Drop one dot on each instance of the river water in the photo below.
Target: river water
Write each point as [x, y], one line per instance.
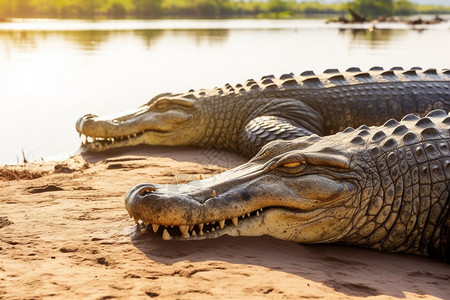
[53, 72]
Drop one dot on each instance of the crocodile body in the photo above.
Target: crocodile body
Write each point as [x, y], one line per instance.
[384, 187]
[244, 117]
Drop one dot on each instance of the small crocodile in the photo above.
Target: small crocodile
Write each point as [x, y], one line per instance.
[244, 117]
[384, 187]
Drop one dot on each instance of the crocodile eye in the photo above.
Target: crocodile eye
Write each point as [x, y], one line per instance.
[292, 167]
[292, 164]
[166, 103]
[161, 105]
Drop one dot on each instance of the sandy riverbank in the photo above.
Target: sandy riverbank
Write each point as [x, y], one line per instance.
[64, 233]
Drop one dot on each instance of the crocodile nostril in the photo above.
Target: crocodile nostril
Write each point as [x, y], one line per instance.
[89, 116]
[146, 190]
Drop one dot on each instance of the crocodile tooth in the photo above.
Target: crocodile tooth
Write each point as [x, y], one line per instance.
[243, 216]
[207, 223]
[166, 235]
[214, 193]
[193, 233]
[155, 227]
[201, 232]
[79, 134]
[257, 213]
[217, 228]
[200, 226]
[200, 176]
[222, 224]
[186, 235]
[248, 215]
[191, 227]
[235, 221]
[183, 229]
[213, 222]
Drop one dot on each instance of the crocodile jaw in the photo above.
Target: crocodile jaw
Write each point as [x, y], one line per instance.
[275, 222]
[140, 127]
[90, 144]
[196, 211]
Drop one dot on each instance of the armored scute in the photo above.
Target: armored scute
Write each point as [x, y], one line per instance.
[314, 178]
[244, 117]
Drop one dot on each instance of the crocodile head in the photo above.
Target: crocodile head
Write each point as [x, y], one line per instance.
[293, 190]
[167, 119]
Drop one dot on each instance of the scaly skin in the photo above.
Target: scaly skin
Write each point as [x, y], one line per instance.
[244, 117]
[385, 188]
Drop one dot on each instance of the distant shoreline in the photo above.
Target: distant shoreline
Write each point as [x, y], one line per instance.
[104, 24]
[329, 16]
[195, 9]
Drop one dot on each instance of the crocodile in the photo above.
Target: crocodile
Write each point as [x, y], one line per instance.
[381, 187]
[244, 117]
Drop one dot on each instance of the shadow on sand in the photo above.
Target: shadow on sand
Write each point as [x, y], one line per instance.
[348, 270]
[206, 156]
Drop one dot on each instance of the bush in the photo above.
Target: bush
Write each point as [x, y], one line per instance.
[278, 6]
[149, 8]
[117, 10]
[403, 7]
[207, 8]
[373, 8]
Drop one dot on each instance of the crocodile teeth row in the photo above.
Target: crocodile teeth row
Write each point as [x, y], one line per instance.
[188, 230]
[89, 139]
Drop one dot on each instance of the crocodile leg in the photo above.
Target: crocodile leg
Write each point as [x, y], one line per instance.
[264, 129]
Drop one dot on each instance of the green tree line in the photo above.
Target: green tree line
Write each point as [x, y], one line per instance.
[386, 8]
[204, 8]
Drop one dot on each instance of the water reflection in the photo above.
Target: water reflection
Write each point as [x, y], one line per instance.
[212, 36]
[49, 78]
[374, 36]
[91, 40]
[30, 40]
[19, 39]
[149, 36]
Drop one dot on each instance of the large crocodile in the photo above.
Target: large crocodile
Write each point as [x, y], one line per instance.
[383, 187]
[244, 117]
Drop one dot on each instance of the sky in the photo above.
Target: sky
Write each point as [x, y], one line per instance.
[438, 2]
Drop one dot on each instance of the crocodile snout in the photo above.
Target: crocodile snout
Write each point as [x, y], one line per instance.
[81, 120]
[147, 190]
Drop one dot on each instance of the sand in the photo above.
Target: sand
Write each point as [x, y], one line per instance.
[64, 234]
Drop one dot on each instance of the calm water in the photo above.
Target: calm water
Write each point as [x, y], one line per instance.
[52, 72]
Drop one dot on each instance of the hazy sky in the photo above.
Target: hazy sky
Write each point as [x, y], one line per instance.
[440, 2]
